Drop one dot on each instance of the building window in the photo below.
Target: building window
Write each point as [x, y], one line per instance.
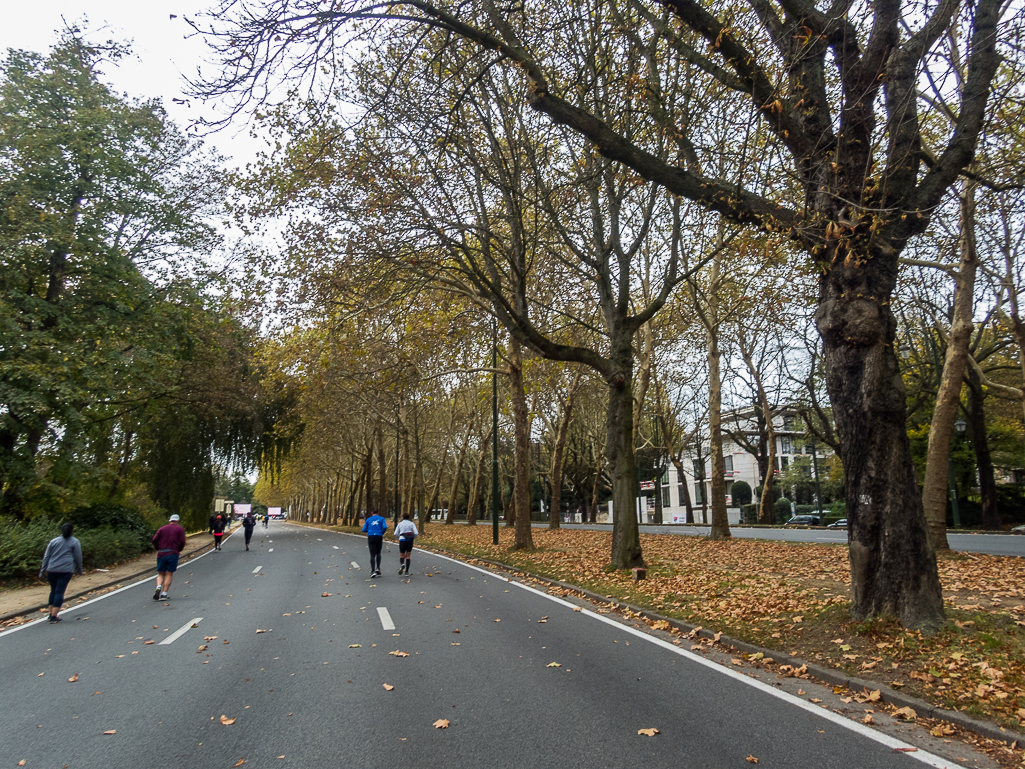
[785, 445]
[728, 462]
[699, 496]
[679, 493]
[666, 502]
[699, 470]
[786, 462]
[807, 450]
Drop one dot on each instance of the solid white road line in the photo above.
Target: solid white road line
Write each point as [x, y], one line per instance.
[386, 622]
[855, 726]
[353, 564]
[180, 631]
[257, 569]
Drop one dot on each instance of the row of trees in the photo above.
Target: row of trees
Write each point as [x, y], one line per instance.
[570, 168]
[122, 375]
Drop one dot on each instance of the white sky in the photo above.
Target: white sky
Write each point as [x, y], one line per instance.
[161, 51]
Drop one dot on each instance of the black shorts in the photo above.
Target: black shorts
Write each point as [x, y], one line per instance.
[375, 542]
[406, 545]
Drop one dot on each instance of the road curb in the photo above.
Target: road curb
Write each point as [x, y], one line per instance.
[829, 676]
[105, 585]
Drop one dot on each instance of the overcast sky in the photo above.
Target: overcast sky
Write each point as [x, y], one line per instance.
[161, 49]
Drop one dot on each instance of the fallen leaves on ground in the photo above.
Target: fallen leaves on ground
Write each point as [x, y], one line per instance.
[388, 687]
[649, 732]
[441, 723]
[398, 653]
[240, 762]
[553, 665]
[355, 646]
[906, 713]
[325, 595]
[111, 731]
[73, 679]
[227, 721]
[752, 760]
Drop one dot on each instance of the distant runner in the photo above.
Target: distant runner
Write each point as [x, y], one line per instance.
[406, 532]
[374, 527]
[248, 524]
[218, 532]
[169, 542]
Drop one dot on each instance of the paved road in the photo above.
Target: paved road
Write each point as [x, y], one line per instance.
[303, 694]
[990, 544]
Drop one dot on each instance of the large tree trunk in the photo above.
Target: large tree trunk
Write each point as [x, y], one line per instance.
[626, 541]
[688, 506]
[948, 395]
[382, 462]
[720, 521]
[524, 539]
[893, 569]
[980, 442]
[555, 469]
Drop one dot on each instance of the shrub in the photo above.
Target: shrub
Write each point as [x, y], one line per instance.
[781, 509]
[749, 513]
[105, 546]
[115, 517]
[22, 546]
[741, 493]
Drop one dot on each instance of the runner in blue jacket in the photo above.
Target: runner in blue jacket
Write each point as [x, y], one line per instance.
[374, 527]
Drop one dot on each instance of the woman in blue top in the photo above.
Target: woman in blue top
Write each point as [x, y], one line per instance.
[406, 532]
[63, 557]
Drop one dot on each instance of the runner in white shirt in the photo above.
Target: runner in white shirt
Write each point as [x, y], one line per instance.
[406, 532]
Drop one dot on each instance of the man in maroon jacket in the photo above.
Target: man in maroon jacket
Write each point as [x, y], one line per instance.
[169, 541]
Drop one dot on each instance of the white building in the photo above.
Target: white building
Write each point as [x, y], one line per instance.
[740, 464]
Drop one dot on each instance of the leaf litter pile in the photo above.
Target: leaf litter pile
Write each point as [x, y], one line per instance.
[794, 598]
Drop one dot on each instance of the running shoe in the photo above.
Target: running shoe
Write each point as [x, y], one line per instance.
[156, 594]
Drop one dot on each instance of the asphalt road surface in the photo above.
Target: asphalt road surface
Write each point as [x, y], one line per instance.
[523, 679]
[989, 544]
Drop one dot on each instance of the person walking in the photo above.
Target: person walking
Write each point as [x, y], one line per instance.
[406, 532]
[248, 524]
[374, 527]
[62, 559]
[169, 542]
[218, 531]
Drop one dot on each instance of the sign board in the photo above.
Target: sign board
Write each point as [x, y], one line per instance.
[242, 510]
[647, 485]
[274, 512]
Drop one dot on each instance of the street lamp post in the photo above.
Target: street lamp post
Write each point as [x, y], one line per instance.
[494, 431]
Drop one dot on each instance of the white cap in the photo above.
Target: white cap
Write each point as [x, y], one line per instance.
[175, 517]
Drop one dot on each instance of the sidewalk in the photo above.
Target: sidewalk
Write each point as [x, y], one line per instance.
[18, 605]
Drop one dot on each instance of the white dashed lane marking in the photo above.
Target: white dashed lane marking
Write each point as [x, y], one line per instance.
[271, 550]
[257, 569]
[180, 631]
[353, 564]
[386, 622]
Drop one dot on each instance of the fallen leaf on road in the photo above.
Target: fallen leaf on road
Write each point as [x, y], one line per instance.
[388, 687]
[240, 762]
[148, 643]
[209, 638]
[397, 653]
[355, 646]
[227, 722]
[111, 731]
[553, 665]
[868, 719]
[905, 712]
[498, 620]
[73, 678]
[801, 692]
[649, 732]
[905, 750]
[261, 631]
[577, 608]
[280, 756]
[325, 595]
[460, 631]
[441, 723]
[22, 762]
[455, 644]
[752, 760]
[156, 627]
[737, 662]
[815, 700]
[202, 648]
[222, 642]
[43, 674]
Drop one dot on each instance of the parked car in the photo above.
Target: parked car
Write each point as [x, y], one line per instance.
[841, 524]
[1018, 530]
[804, 520]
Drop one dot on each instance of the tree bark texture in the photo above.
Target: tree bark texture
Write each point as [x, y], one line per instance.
[523, 539]
[948, 394]
[983, 461]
